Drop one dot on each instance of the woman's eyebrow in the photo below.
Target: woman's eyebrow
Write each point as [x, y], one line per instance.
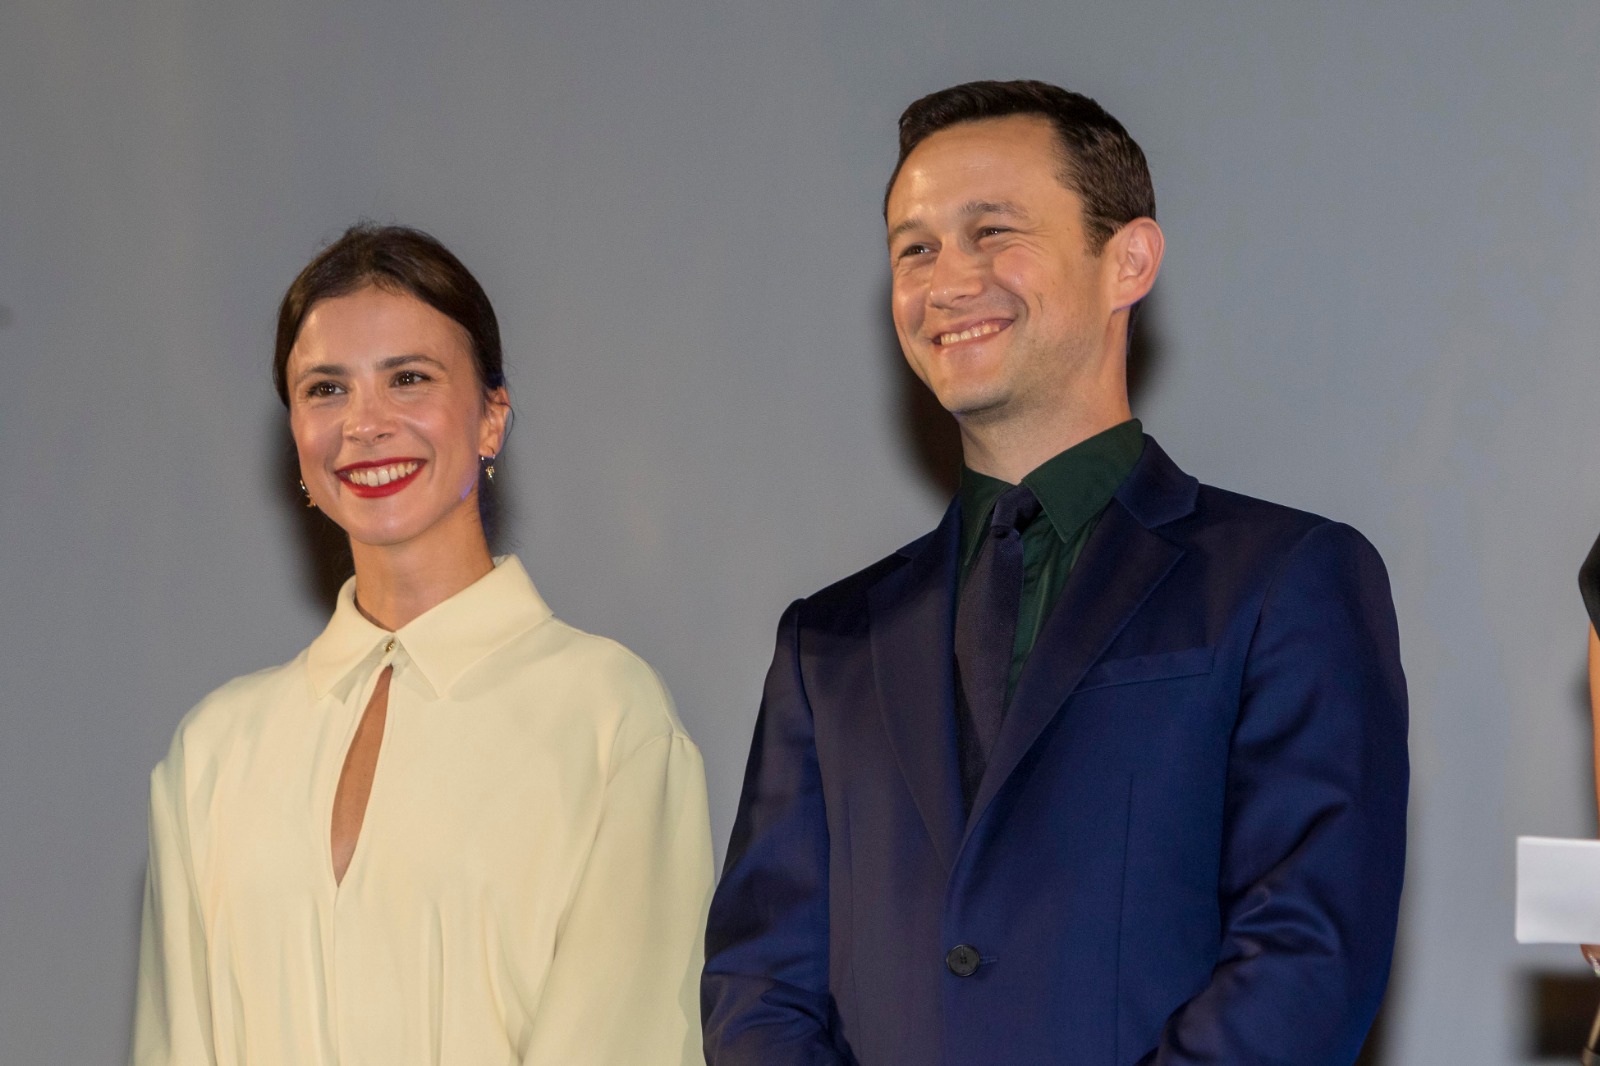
[339, 370]
[325, 369]
[413, 357]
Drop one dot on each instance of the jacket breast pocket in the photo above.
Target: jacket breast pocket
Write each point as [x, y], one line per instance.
[1156, 666]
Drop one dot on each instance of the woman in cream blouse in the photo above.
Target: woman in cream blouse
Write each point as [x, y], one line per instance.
[454, 829]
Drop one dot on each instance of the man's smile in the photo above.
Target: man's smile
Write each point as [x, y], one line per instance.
[986, 328]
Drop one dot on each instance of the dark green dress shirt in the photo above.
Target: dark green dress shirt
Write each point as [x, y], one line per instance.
[1073, 489]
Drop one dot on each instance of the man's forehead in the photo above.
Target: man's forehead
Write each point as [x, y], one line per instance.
[1024, 126]
[979, 142]
[992, 151]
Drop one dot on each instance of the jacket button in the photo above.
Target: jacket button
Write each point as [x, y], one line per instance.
[962, 960]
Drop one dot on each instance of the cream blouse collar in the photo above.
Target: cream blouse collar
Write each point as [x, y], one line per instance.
[442, 642]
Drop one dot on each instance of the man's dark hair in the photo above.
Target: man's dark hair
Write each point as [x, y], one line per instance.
[1099, 161]
[400, 260]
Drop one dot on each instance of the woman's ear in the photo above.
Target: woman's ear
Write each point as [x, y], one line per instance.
[496, 421]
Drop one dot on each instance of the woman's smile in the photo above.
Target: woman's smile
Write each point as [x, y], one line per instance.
[384, 477]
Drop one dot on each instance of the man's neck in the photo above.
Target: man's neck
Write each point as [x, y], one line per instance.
[1010, 450]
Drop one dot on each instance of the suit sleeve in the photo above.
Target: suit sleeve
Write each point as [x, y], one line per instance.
[172, 1004]
[1314, 847]
[764, 995]
[621, 988]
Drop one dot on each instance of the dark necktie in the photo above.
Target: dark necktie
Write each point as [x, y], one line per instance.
[986, 629]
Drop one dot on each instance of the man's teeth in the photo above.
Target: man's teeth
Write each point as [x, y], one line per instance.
[967, 334]
[373, 476]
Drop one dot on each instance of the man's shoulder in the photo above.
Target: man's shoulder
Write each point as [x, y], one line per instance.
[1179, 507]
[1219, 506]
[845, 600]
[852, 590]
[1238, 526]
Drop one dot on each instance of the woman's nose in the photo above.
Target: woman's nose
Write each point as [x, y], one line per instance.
[368, 416]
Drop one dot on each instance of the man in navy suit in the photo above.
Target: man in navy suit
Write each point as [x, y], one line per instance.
[1109, 768]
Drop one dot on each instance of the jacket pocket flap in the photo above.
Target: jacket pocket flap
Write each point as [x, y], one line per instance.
[1157, 666]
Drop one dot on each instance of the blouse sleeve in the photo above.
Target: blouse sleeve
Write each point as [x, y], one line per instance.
[623, 987]
[172, 1008]
[1589, 584]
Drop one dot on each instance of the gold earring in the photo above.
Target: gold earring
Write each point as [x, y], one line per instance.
[488, 467]
[309, 501]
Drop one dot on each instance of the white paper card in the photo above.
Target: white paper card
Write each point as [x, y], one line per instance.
[1558, 891]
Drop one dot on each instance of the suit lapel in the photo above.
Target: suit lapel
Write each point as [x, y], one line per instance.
[911, 621]
[1121, 564]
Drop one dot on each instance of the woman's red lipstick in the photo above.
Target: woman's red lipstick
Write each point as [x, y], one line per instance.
[382, 478]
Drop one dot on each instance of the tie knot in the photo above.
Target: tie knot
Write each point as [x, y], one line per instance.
[1013, 511]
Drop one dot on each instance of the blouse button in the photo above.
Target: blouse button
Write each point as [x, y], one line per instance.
[389, 647]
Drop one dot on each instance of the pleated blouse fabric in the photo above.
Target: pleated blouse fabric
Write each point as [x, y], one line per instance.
[529, 884]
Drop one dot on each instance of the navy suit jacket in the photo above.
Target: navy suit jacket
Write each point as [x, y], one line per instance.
[1188, 845]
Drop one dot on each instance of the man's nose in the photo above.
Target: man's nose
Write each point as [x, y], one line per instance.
[957, 274]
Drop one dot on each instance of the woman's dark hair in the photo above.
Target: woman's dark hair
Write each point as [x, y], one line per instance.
[1099, 161]
[401, 260]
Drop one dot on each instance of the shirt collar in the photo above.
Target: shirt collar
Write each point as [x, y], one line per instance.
[442, 642]
[1072, 486]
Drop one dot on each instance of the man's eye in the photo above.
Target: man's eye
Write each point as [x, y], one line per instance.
[992, 231]
[911, 251]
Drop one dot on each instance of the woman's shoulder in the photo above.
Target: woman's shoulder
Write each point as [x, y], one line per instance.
[237, 707]
[606, 678]
[564, 646]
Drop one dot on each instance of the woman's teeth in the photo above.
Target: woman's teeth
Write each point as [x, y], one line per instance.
[373, 476]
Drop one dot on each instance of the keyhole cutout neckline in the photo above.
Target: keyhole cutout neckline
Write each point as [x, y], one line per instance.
[356, 777]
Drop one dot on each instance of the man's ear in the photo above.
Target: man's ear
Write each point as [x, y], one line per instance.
[1134, 253]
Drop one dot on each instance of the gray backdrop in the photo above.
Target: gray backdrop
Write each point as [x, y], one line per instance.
[1379, 303]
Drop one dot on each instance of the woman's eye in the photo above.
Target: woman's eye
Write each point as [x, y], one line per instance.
[319, 389]
[410, 377]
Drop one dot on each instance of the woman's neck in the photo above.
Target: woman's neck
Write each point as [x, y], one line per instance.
[396, 583]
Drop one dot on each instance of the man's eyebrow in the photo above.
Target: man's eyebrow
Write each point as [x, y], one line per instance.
[991, 207]
[969, 209]
[905, 226]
